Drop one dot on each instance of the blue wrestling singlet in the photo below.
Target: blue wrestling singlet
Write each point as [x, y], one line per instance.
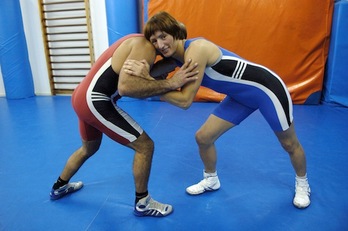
[248, 87]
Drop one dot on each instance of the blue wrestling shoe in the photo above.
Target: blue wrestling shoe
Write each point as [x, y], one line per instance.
[149, 207]
[66, 189]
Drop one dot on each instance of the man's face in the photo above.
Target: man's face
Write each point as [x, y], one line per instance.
[164, 43]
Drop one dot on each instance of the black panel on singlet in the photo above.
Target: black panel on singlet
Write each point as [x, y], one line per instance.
[107, 82]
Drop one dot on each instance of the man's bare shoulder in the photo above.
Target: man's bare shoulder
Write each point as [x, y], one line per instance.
[139, 41]
[204, 50]
[202, 44]
[142, 49]
[133, 48]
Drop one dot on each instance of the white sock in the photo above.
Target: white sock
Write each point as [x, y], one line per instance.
[301, 178]
[209, 174]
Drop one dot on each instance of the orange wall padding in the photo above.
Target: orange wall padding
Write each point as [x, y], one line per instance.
[290, 37]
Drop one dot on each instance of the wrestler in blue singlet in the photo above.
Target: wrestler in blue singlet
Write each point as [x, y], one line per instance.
[248, 87]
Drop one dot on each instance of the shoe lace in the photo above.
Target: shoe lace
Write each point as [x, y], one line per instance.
[156, 205]
[302, 189]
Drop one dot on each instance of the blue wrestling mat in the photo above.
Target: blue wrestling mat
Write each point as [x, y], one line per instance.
[38, 134]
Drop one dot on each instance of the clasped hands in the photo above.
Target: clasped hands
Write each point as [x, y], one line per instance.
[140, 68]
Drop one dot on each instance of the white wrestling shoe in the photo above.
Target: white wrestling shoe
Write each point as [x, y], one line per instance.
[209, 183]
[302, 193]
[65, 190]
[149, 207]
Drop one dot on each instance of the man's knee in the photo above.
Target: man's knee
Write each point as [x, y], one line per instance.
[90, 147]
[149, 145]
[144, 144]
[290, 145]
[202, 138]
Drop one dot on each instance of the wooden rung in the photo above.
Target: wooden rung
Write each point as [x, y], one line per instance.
[68, 76]
[63, 92]
[74, 47]
[54, 3]
[67, 40]
[70, 32]
[70, 69]
[64, 10]
[72, 61]
[65, 18]
[79, 54]
[66, 25]
[66, 82]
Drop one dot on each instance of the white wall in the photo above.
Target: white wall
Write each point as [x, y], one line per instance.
[33, 33]
[99, 26]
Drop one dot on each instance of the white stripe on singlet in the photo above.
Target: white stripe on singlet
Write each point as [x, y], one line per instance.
[239, 71]
[96, 96]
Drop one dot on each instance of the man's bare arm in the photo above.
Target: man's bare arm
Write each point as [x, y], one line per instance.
[187, 73]
[139, 49]
[139, 87]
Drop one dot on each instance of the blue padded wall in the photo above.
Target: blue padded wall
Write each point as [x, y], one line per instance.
[336, 79]
[122, 18]
[14, 60]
